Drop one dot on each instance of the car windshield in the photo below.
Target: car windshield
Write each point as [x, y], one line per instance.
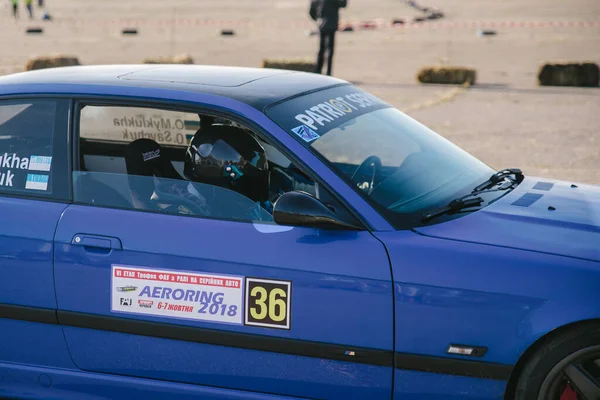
[400, 166]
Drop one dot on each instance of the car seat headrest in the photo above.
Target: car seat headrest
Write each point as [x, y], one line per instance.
[145, 157]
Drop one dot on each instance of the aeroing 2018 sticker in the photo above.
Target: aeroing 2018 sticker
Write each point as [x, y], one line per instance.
[188, 295]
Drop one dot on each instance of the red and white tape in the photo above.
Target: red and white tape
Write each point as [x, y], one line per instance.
[284, 24]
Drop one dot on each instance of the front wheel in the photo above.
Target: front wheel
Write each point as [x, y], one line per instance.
[567, 367]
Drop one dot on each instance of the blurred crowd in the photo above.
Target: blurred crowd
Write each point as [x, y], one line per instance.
[28, 6]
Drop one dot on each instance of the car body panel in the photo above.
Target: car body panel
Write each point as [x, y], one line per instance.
[418, 385]
[255, 87]
[230, 368]
[33, 343]
[26, 251]
[339, 277]
[494, 297]
[556, 219]
[28, 381]
[26, 267]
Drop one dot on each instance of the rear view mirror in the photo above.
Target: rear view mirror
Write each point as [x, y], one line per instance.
[302, 209]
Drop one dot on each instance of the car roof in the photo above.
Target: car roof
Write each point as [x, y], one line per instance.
[257, 87]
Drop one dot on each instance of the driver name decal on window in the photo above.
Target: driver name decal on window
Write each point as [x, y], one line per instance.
[14, 167]
[186, 295]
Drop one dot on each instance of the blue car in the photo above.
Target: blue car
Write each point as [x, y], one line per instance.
[228, 233]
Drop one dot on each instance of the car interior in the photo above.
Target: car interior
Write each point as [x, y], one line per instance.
[112, 173]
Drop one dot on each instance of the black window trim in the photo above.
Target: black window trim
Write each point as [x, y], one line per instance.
[62, 130]
[78, 102]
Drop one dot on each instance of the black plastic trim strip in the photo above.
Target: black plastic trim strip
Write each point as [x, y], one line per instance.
[413, 362]
[30, 314]
[452, 366]
[230, 339]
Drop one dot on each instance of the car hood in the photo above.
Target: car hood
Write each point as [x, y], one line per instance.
[540, 215]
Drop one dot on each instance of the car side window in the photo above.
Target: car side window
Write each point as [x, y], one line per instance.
[134, 158]
[33, 149]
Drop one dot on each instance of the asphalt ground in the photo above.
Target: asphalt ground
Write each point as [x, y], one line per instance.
[506, 119]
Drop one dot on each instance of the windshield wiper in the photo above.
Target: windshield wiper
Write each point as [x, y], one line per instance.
[470, 200]
[454, 206]
[500, 176]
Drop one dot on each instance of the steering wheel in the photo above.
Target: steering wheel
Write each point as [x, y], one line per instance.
[181, 201]
[377, 165]
[184, 206]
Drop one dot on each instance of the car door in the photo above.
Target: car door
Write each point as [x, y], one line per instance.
[232, 301]
[33, 195]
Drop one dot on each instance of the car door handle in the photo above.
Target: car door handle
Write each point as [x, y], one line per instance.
[96, 242]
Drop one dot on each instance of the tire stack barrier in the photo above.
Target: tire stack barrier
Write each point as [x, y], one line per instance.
[435, 15]
[52, 61]
[486, 32]
[447, 75]
[302, 65]
[227, 32]
[430, 13]
[34, 30]
[129, 31]
[180, 59]
[585, 74]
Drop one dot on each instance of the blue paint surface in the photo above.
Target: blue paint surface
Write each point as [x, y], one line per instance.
[342, 278]
[501, 278]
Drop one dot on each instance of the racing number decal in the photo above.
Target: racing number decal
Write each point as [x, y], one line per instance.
[268, 303]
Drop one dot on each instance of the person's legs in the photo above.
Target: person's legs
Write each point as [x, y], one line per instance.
[330, 51]
[321, 55]
[15, 10]
[30, 10]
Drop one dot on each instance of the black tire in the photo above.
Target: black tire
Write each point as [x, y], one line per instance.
[544, 377]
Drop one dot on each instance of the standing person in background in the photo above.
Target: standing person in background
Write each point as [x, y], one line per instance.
[15, 8]
[327, 15]
[29, 8]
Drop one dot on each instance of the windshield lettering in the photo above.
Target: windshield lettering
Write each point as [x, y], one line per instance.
[324, 113]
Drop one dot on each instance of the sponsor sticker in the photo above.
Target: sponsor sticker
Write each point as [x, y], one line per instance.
[39, 163]
[36, 182]
[151, 155]
[145, 303]
[268, 303]
[174, 294]
[305, 133]
[127, 288]
[125, 302]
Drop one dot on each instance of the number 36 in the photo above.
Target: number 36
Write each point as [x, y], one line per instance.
[268, 303]
[275, 306]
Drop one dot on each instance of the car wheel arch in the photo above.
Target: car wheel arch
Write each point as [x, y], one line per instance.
[532, 349]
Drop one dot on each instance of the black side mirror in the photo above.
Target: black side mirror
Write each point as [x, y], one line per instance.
[302, 209]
